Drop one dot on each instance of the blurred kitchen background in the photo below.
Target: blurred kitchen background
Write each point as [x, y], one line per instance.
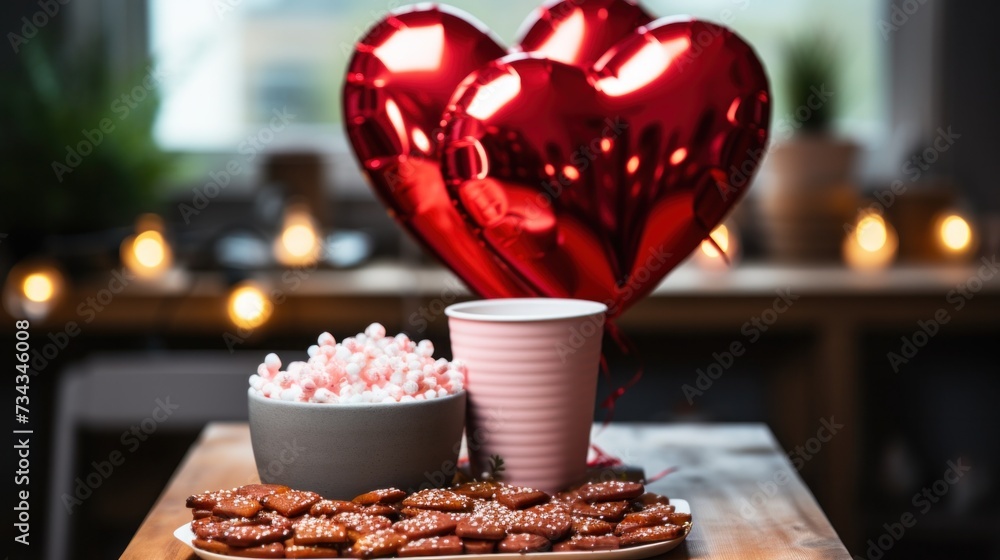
[177, 199]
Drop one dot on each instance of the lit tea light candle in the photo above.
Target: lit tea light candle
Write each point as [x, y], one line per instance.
[955, 235]
[38, 287]
[248, 306]
[708, 255]
[299, 243]
[33, 288]
[147, 254]
[872, 245]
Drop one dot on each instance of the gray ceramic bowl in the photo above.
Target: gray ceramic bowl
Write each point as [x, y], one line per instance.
[342, 450]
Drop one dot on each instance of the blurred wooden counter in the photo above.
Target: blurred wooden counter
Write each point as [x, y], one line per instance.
[719, 471]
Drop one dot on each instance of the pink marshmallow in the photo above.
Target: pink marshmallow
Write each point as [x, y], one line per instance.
[369, 367]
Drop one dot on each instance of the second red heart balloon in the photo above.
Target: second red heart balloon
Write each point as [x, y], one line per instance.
[595, 184]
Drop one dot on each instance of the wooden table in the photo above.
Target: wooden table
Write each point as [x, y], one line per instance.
[747, 501]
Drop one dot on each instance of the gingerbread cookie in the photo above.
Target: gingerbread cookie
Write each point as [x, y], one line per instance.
[481, 527]
[207, 500]
[646, 535]
[475, 546]
[477, 490]
[611, 491]
[553, 526]
[272, 550]
[262, 529]
[428, 524]
[318, 530]
[608, 511]
[292, 503]
[307, 551]
[439, 500]
[359, 524]
[378, 544]
[258, 491]
[515, 497]
[385, 496]
[236, 506]
[523, 543]
[584, 542]
[591, 526]
[433, 546]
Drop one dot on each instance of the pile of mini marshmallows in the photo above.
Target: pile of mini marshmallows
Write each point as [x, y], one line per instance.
[367, 368]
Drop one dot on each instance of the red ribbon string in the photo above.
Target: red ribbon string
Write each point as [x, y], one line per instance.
[725, 257]
[627, 348]
[659, 475]
[602, 459]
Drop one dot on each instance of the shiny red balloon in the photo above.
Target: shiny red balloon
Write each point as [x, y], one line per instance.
[588, 168]
[594, 184]
[399, 82]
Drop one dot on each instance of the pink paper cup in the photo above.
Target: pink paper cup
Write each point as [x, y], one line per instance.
[532, 383]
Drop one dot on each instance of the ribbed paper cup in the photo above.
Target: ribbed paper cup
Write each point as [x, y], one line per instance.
[532, 383]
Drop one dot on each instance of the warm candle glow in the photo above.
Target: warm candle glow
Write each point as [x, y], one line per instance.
[955, 234]
[147, 254]
[872, 245]
[249, 307]
[38, 287]
[871, 233]
[708, 255]
[299, 242]
[32, 289]
[721, 237]
[149, 250]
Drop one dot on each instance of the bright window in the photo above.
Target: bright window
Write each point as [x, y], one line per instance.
[229, 63]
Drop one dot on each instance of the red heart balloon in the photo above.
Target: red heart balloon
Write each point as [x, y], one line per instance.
[399, 82]
[594, 183]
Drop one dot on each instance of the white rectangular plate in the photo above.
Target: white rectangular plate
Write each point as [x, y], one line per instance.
[184, 534]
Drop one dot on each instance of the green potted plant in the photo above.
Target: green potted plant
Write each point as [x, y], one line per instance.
[78, 150]
[809, 191]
